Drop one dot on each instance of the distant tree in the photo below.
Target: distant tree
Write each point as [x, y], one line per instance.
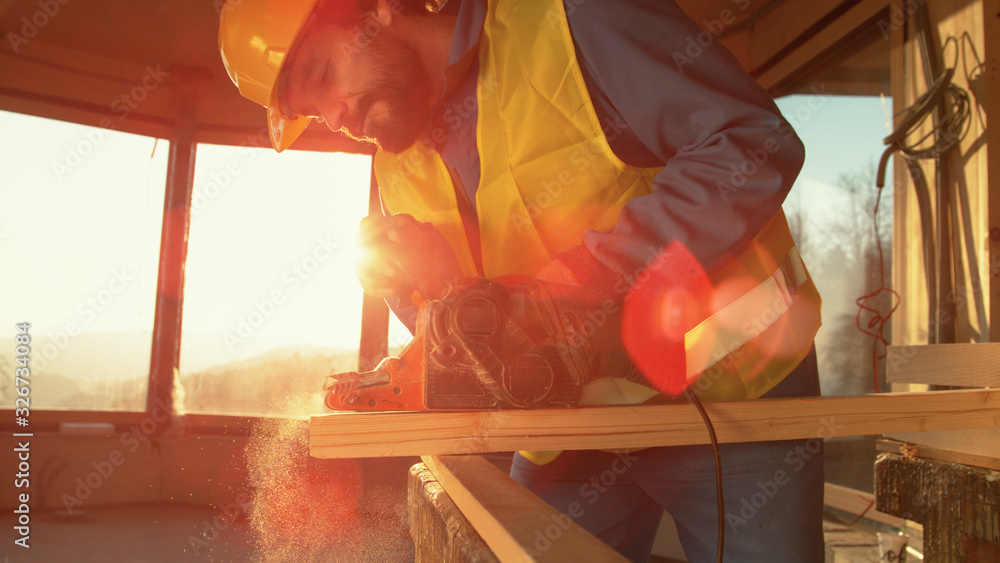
[852, 343]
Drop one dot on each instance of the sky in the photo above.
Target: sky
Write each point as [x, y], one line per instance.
[842, 134]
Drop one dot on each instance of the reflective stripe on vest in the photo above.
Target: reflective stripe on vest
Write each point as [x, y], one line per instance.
[548, 175]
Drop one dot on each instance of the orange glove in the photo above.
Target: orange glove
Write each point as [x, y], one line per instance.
[401, 254]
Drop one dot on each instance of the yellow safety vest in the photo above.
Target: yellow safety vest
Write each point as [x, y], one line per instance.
[548, 175]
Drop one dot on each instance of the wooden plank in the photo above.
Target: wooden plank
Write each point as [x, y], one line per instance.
[847, 544]
[440, 532]
[954, 306]
[940, 454]
[855, 502]
[968, 189]
[783, 25]
[374, 345]
[962, 365]
[903, 272]
[954, 502]
[818, 43]
[372, 434]
[991, 34]
[514, 522]
[983, 442]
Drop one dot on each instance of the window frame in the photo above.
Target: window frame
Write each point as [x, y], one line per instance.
[164, 360]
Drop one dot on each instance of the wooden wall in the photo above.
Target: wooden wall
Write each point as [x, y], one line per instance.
[954, 303]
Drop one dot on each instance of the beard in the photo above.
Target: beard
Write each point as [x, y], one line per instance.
[396, 108]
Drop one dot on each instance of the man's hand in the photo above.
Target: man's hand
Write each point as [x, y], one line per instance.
[401, 254]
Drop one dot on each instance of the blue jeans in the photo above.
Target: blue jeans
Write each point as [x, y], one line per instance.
[773, 493]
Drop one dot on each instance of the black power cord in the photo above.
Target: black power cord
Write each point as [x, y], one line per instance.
[718, 471]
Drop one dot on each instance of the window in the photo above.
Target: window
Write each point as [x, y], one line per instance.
[271, 303]
[79, 241]
[841, 109]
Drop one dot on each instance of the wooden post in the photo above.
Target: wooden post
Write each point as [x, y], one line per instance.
[958, 505]
[513, 521]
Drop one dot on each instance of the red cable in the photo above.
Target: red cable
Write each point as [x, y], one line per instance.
[877, 322]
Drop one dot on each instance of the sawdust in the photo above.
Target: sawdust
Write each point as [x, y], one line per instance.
[308, 509]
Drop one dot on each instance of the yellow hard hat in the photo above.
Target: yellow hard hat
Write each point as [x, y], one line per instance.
[254, 39]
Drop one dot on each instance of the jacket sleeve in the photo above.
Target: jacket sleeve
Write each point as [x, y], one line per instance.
[673, 96]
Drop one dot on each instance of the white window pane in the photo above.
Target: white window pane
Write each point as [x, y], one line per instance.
[80, 225]
[271, 303]
[831, 209]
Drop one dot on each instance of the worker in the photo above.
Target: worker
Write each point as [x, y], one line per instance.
[593, 144]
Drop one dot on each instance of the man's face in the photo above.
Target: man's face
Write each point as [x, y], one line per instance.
[363, 80]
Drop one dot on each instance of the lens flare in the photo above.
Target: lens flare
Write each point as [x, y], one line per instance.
[668, 300]
[354, 254]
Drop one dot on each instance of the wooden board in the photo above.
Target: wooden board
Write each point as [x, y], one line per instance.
[763, 44]
[939, 453]
[515, 523]
[981, 442]
[855, 502]
[960, 218]
[958, 505]
[440, 532]
[991, 101]
[360, 434]
[962, 365]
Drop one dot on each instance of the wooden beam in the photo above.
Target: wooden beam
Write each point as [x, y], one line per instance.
[515, 523]
[947, 300]
[372, 434]
[439, 530]
[374, 345]
[974, 442]
[957, 504]
[855, 503]
[988, 461]
[962, 365]
[991, 103]
[786, 66]
[784, 24]
[165, 352]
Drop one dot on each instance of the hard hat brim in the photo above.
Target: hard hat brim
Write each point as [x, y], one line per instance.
[284, 131]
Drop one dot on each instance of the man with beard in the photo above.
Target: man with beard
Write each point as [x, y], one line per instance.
[584, 144]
